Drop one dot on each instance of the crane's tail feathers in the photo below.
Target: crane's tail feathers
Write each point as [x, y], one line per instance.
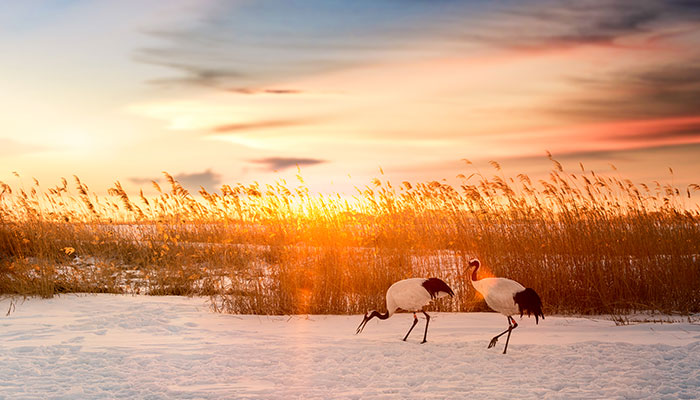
[529, 302]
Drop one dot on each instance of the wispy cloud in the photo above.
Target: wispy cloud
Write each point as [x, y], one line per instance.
[265, 91]
[656, 91]
[563, 24]
[209, 180]
[280, 163]
[196, 73]
[142, 180]
[684, 133]
[573, 157]
[273, 123]
[255, 44]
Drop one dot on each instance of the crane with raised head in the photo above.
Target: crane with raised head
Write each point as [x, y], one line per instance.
[508, 297]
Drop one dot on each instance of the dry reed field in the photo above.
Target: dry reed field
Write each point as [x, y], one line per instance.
[587, 243]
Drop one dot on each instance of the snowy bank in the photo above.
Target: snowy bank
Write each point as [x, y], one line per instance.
[116, 346]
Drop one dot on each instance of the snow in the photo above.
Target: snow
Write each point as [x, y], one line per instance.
[122, 346]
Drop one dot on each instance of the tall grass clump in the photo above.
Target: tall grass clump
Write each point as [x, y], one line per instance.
[588, 243]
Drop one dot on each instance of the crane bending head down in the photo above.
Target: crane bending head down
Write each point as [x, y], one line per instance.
[410, 295]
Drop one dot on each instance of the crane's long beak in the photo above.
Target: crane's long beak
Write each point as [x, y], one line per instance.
[362, 324]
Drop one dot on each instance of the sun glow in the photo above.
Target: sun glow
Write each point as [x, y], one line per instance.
[74, 141]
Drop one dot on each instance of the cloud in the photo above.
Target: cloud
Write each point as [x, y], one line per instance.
[563, 24]
[685, 133]
[195, 73]
[255, 44]
[669, 151]
[273, 123]
[658, 91]
[244, 45]
[265, 91]
[642, 90]
[208, 179]
[280, 163]
[142, 180]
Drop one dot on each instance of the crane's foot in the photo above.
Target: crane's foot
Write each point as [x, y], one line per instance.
[493, 342]
[504, 351]
[423, 341]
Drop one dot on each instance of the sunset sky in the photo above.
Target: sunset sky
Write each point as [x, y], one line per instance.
[221, 92]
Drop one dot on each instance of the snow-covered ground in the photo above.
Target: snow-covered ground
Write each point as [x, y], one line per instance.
[120, 346]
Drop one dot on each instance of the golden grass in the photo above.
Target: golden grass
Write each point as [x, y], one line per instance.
[587, 243]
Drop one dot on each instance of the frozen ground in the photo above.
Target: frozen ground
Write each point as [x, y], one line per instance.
[107, 346]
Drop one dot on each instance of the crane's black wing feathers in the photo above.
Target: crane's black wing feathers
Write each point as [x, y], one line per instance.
[529, 302]
[434, 286]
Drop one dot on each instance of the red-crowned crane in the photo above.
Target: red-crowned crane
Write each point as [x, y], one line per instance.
[508, 297]
[410, 295]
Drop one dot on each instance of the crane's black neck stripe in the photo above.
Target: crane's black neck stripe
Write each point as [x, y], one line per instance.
[476, 264]
[379, 315]
[434, 286]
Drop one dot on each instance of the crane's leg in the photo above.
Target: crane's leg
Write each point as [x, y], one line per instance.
[510, 328]
[415, 321]
[515, 325]
[427, 321]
